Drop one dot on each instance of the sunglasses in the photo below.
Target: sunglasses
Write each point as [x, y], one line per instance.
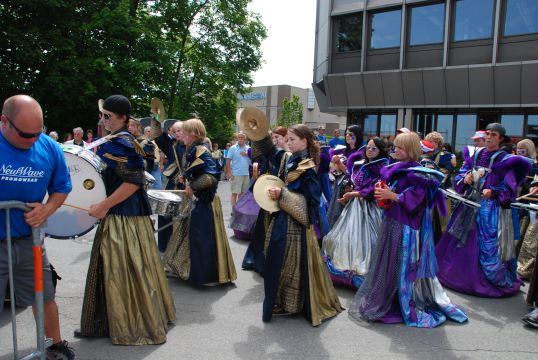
[372, 148]
[23, 134]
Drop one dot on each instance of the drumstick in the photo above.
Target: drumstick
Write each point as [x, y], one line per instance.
[76, 207]
[179, 191]
[528, 196]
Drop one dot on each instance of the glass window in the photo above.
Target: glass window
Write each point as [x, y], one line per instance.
[423, 124]
[386, 28]
[388, 125]
[465, 129]
[444, 127]
[370, 125]
[427, 24]
[532, 128]
[348, 33]
[473, 19]
[521, 17]
[513, 124]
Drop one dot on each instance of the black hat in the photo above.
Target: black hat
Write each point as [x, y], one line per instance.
[118, 104]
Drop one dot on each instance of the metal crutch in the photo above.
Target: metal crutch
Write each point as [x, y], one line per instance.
[38, 284]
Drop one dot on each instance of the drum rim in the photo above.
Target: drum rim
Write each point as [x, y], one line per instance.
[72, 237]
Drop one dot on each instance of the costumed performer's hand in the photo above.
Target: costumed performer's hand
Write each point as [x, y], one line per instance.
[274, 192]
[486, 193]
[98, 210]
[468, 178]
[533, 190]
[384, 193]
[188, 191]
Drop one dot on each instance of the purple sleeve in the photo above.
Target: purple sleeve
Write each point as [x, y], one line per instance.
[506, 193]
[410, 207]
[367, 191]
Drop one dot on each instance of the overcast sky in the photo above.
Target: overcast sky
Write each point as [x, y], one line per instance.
[288, 51]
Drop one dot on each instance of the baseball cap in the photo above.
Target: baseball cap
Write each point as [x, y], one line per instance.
[403, 130]
[426, 146]
[480, 134]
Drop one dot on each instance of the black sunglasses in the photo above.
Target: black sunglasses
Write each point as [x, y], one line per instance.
[23, 134]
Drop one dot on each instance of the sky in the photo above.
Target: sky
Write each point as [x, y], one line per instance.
[288, 51]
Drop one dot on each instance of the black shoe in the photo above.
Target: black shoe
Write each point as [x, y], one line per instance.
[79, 335]
[60, 351]
[531, 318]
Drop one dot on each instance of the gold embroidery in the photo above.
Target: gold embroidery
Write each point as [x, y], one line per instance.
[301, 168]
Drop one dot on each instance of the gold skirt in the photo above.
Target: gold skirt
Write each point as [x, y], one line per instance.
[177, 255]
[526, 260]
[126, 276]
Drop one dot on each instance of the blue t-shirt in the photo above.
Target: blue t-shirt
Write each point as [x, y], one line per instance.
[321, 138]
[336, 141]
[27, 175]
[240, 163]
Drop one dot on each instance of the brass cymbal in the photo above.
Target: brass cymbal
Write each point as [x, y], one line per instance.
[253, 122]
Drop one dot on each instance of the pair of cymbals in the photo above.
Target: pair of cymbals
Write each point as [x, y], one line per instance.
[253, 122]
[261, 195]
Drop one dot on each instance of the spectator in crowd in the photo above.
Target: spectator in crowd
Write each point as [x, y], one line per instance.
[67, 137]
[89, 136]
[53, 135]
[320, 137]
[336, 140]
[217, 156]
[78, 133]
[237, 167]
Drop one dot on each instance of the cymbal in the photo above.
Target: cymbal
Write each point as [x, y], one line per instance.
[262, 196]
[253, 122]
[157, 109]
[100, 103]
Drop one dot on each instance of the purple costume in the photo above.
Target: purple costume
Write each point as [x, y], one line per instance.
[349, 244]
[479, 259]
[401, 285]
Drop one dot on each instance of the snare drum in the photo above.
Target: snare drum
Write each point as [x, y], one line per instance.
[169, 203]
[150, 180]
[88, 188]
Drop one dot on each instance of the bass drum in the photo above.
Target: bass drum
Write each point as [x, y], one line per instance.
[88, 188]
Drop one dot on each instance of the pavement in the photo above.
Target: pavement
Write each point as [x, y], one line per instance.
[224, 322]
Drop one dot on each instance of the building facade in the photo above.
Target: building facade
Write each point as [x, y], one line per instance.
[453, 66]
[270, 99]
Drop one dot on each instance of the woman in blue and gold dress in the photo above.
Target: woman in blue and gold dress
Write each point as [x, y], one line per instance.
[199, 251]
[295, 277]
[127, 296]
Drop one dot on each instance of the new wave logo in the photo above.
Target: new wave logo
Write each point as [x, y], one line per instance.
[20, 174]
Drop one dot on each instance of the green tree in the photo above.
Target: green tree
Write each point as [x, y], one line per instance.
[292, 112]
[194, 55]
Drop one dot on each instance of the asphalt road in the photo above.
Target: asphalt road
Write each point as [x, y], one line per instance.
[225, 322]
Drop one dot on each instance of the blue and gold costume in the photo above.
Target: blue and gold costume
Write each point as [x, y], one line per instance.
[127, 296]
[198, 252]
[295, 277]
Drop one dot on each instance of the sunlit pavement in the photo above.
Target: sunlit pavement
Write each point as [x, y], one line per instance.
[224, 322]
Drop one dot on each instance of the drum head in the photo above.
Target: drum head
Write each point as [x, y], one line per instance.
[88, 189]
[164, 195]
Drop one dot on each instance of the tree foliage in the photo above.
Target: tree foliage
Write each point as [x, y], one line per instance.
[195, 55]
[292, 112]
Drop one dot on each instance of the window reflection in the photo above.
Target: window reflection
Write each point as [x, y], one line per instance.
[532, 128]
[444, 127]
[427, 24]
[348, 33]
[388, 125]
[521, 17]
[473, 19]
[465, 129]
[385, 31]
[370, 125]
[513, 124]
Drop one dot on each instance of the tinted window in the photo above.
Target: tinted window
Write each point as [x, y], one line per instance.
[370, 125]
[348, 33]
[444, 126]
[388, 125]
[513, 124]
[385, 31]
[473, 19]
[521, 17]
[427, 24]
[532, 128]
[465, 128]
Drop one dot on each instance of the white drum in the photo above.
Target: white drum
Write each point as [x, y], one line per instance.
[88, 188]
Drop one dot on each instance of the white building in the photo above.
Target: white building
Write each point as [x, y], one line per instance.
[270, 99]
